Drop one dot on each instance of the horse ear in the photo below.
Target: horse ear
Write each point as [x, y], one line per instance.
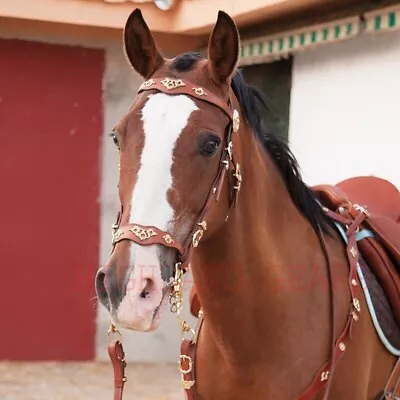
[140, 47]
[223, 49]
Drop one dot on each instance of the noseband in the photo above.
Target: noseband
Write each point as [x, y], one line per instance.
[148, 235]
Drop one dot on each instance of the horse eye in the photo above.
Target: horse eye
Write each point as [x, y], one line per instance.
[114, 139]
[209, 146]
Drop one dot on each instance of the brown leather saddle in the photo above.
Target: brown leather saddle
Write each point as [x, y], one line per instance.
[381, 252]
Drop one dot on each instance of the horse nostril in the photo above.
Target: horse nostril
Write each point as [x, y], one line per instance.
[101, 290]
[145, 293]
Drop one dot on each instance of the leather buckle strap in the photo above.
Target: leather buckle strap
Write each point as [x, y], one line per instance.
[392, 389]
[117, 357]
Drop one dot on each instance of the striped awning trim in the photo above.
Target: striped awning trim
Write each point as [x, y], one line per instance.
[270, 48]
[383, 20]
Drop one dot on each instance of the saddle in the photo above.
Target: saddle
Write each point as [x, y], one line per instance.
[381, 252]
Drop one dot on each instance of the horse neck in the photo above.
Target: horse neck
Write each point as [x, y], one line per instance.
[254, 277]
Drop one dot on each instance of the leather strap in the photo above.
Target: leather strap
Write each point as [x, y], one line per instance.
[392, 389]
[145, 236]
[324, 374]
[117, 356]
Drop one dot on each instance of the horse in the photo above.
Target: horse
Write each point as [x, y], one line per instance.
[276, 267]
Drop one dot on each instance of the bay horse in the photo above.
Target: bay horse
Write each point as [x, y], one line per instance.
[276, 266]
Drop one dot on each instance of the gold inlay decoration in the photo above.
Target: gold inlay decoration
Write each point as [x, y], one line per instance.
[171, 84]
[168, 239]
[200, 91]
[147, 83]
[199, 233]
[324, 376]
[236, 121]
[356, 304]
[238, 176]
[142, 234]
[116, 235]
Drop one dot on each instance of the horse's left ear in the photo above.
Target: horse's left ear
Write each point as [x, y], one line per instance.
[140, 47]
[223, 49]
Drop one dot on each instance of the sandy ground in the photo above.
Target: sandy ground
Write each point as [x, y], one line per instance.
[87, 381]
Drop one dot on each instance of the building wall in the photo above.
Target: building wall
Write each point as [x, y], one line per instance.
[50, 130]
[344, 116]
[119, 88]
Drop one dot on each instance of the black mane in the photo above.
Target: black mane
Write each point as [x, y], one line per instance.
[252, 100]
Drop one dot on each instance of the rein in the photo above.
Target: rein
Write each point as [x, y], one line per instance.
[148, 235]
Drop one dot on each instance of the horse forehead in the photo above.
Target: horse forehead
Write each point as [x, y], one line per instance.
[165, 116]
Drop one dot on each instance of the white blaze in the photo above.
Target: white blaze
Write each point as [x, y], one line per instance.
[164, 118]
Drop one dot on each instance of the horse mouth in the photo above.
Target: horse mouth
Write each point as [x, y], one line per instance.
[160, 308]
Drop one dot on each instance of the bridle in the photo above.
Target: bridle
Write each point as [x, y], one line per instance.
[149, 235]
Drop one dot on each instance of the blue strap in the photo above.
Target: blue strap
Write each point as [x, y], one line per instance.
[360, 235]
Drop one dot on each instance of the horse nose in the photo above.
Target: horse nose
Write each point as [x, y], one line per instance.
[101, 291]
[106, 287]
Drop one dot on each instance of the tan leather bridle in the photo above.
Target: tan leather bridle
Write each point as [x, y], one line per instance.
[148, 235]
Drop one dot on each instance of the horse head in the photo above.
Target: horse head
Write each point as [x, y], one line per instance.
[176, 149]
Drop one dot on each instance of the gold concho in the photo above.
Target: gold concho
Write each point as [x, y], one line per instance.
[203, 224]
[147, 84]
[186, 384]
[238, 176]
[324, 376]
[168, 239]
[116, 235]
[142, 234]
[197, 237]
[236, 121]
[356, 304]
[171, 84]
[200, 91]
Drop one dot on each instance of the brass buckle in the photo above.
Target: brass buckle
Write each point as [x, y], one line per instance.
[112, 330]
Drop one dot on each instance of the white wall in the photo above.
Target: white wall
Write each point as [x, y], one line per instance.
[345, 109]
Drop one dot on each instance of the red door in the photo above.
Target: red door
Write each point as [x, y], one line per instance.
[50, 132]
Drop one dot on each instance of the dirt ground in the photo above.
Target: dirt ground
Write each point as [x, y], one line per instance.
[87, 381]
